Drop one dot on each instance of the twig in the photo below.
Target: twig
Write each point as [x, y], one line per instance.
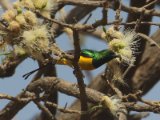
[133, 23]
[7, 68]
[79, 75]
[105, 14]
[62, 109]
[17, 99]
[116, 90]
[150, 3]
[44, 109]
[126, 71]
[117, 16]
[140, 10]
[137, 25]
[83, 3]
[78, 27]
[152, 42]
[87, 19]
[142, 108]
[123, 7]
[151, 103]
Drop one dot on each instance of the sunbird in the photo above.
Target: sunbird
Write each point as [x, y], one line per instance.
[90, 59]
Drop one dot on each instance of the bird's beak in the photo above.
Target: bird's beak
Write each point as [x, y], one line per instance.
[116, 55]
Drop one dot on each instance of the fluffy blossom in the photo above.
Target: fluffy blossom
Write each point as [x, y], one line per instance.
[124, 44]
[36, 41]
[113, 104]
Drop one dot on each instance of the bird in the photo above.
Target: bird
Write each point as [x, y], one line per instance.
[90, 59]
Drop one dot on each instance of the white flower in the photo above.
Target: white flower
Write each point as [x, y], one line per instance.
[124, 44]
[113, 104]
[36, 41]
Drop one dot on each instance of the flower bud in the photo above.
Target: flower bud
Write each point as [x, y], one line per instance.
[31, 18]
[14, 26]
[68, 31]
[28, 4]
[9, 15]
[111, 33]
[20, 19]
[16, 5]
[40, 4]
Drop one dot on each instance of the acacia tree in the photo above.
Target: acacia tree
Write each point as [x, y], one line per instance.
[30, 29]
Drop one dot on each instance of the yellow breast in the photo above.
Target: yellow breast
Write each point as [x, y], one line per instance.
[85, 63]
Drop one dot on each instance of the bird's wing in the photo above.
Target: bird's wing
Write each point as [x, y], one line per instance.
[87, 53]
[84, 52]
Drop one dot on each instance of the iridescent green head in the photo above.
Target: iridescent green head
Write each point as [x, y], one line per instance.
[103, 57]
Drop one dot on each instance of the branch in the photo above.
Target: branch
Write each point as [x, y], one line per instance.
[51, 95]
[147, 74]
[7, 68]
[151, 12]
[93, 96]
[83, 3]
[75, 15]
[142, 108]
[123, 7]
[13, 107]
[64, 110]
[45, 110]
[64, 87]
[79, 75]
